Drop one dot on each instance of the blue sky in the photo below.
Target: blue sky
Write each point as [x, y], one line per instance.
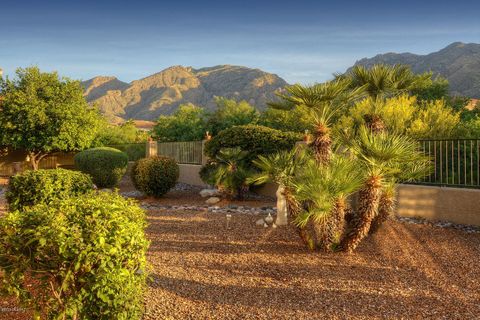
[301, 41]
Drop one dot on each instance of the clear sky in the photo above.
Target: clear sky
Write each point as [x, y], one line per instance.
[301, 41]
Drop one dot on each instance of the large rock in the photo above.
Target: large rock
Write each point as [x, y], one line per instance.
[212, 200]
[209, 193]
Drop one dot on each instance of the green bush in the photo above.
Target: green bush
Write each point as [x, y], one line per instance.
[155, 176]
[82, 258]
[105, 165]
[134, 151]
[256, 140]
[44, 186]
[207, 172]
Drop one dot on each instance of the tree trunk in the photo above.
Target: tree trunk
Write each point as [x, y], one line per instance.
[386, 207]
[34, 160]
[282, 213]
[322, 144]
[294, 208]
[367, 208]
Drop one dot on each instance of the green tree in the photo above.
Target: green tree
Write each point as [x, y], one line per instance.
[188, 123]
[43, 114]
[298, 119]
[231, 113]
[435, 89]
[124, 133]
[435, 120]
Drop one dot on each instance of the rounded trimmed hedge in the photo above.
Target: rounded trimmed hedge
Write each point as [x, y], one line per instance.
[105, 165]
[93, 244]
[44, 186]
[257, 140]
[155, 176]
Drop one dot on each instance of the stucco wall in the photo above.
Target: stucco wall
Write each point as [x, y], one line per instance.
[189, 173]
[439, 203]
[457, 205]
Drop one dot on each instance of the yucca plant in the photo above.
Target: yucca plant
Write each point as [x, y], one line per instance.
[231, 172]
[280, 168]
[383, 156]
[325, 189]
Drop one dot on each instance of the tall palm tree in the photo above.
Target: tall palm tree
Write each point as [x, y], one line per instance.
[383, 156]
[325, 100]
[383, 80]
[325, 188]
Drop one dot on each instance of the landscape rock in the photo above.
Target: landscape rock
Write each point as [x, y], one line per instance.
[209, 193]
[212, 200]
[260, 222]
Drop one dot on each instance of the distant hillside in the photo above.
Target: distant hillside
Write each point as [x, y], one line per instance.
[458, 62]
[163, 92]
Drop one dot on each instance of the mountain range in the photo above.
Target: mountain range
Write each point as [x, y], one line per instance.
[162, 92]
[459, 63]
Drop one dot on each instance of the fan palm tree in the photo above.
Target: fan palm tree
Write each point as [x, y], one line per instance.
[383, 80]
[325, 188]
[383, 156]
[231, 172]
[325, 100]
[280, 168]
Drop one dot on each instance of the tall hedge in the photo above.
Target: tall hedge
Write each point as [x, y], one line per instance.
[44, 186]
[105, 165]
[257, 140]
[83, 257]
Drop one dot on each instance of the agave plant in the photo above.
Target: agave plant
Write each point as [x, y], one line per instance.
[231, 172]
[280, 168]
[384, 156]
[325, 189]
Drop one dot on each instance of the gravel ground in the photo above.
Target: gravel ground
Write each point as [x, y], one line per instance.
[201, 270]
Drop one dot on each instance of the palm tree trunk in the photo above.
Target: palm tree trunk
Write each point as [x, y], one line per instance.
[322, 144]
[328, 233]
[386, 207]
[367, 208]
[294, 208]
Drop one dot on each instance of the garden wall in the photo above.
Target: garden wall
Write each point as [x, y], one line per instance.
[189, 173]
[458, 205]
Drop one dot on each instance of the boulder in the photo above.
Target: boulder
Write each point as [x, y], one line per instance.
[209, 193]
[260, 222]
[212, 200]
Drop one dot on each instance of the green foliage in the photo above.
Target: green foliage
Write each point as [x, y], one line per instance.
[45, 186]
[207, 172]
[298, 119]
[188, 123]
[126, 133]
[77, 258]
[435, 120]
[231, 172]
[105, 165]
[231, 113]
[256, 140]
[155, 176]
[435, 89]
[42, 114]
[134, 151]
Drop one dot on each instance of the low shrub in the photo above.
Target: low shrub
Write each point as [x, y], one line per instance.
[256, 140]
[155, 176]
[44, 186]
[207, 172]
[76, 258]
[105, 165]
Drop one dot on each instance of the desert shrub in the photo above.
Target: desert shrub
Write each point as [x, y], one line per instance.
[256, 140]
[44, 186]
[105, 165]
[155, 176]
[76, 258]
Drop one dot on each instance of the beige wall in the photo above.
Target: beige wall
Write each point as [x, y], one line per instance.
[457, 205]
[189, 173]
[439, 203]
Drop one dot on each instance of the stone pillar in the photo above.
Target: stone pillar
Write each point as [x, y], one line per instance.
[152, 149]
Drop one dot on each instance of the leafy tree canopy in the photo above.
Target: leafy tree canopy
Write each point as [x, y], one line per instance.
[188, 123]
[42, 113]
[231, 113]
